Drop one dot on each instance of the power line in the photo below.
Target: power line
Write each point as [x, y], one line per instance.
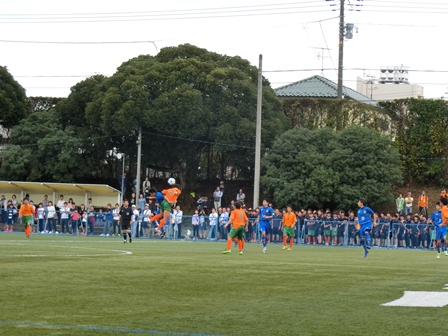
[171, 10]
[81, 42]
[352, 69]
[172, 18]
[155, 14]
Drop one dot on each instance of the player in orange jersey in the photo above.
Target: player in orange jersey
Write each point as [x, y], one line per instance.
[289, 224]
[170, 198]
[239, 222]
[26, 214]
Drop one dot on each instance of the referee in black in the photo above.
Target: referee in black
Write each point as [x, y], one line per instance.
[125, 219]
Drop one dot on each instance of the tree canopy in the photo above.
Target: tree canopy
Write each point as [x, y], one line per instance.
[326, 168]
[13, 102]
[420, 130]
[190, 104]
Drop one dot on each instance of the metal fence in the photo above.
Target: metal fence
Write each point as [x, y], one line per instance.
[308, 232]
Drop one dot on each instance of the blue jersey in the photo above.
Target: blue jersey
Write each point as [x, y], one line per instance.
[364, 218]
[266, 211]
[159, 197]
[436, 218]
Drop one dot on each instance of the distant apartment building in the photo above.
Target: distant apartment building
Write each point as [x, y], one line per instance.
[392, 83]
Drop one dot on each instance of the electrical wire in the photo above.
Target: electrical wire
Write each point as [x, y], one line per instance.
[171, 10]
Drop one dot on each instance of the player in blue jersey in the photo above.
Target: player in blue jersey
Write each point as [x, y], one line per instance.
[365, 222]
[265, 218]
[440, 227]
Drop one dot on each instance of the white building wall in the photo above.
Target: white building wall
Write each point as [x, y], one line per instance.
[381, 92]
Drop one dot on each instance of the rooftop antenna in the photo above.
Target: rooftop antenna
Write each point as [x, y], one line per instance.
[321, 56]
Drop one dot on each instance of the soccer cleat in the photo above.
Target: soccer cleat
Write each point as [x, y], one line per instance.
[365, 254]
[107, 235]
[438, 255]
[102, 235]
[284, 248]
[226, 251]
[289, 249]
[241, 253]
[264, 249]
[162, 235]
[125, 241]
[446, 252]
[130, 240]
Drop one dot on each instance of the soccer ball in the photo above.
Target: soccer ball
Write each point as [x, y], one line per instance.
[171, 181]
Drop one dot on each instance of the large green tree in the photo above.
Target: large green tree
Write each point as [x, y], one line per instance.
[13, 102]
[326, 168]
[420, 129]
[188, 101]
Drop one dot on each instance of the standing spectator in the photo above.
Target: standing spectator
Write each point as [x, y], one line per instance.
[141, 202]
[115, 220]
[75, 215]
[223, 220]
[9, 217]
[202, 224]
[70, 203]
[64, 213]
[217, 195]
[277, 225]
[108, 222]
[423, 202]
[51, 218]
[3, 209]
[89, 203]
[123, 182]
[146, 214]
[408, 204]
[133, 200]
[134, 184]
[241, 197]
[40, 218]
[399, 203]
[100, 218]
[134, 220]
[146, 185]
[45, 202]
[84, 219]
[178, 214]
[223, 190]
[16, 206]
[59, 206]
[213, 221]
[195, 223]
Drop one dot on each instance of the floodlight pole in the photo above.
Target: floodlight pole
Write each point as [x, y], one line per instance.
[258, 135]
[341, 49]
[139, 163]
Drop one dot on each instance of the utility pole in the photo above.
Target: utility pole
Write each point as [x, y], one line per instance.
[258, 135]
[341, 48]
[139, 163]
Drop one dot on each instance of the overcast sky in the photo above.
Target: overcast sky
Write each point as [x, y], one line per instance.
[287, 33]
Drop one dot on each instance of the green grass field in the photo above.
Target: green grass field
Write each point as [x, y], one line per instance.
[62, 285]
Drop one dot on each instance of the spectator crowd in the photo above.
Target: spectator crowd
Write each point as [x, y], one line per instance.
[405, 228]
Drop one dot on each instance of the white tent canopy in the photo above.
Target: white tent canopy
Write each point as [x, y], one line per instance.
[101, 194]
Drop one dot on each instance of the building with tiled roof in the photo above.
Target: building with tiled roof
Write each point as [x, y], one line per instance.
[320, 87]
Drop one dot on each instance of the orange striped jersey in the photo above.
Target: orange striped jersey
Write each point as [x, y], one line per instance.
[423, 201]
[445, 214]
[238, 217]
[171, 194]
[289, 219]
[26, 210]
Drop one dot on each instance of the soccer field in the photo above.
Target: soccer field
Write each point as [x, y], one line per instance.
[62, 285]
